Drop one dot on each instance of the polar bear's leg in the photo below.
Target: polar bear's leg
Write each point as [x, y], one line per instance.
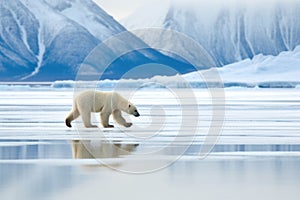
[73, 115]
[118, 117]
[104, 120]
[86, 118]
[85, 112]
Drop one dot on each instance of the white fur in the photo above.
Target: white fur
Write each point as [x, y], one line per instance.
[106, 103]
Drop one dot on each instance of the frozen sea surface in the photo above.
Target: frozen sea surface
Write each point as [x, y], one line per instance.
[257, 155]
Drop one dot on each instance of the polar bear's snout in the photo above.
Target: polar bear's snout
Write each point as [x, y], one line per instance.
[136, 113]
[132, 110]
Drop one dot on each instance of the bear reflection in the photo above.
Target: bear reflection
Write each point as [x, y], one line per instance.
[89, 149]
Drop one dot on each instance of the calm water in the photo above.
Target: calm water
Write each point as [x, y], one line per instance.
[256, 157]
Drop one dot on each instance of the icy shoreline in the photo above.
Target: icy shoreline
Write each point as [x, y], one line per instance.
[165, 82]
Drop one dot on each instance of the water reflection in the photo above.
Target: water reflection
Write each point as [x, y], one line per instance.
[30, 176]
[32, 181]
[34, 149]
[254, 148]
[85, 149]
[90, 149]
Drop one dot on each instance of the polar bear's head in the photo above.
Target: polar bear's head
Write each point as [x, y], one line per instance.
[132, 110]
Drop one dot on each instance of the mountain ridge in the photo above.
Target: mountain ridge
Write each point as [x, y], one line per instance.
[48, 40]
[229, 31]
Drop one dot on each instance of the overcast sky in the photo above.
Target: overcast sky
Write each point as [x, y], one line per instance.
[120, 8]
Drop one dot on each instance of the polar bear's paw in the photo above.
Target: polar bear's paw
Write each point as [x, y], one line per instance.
[109, 126]
[68, 123]
[128, 125]
[92, 126]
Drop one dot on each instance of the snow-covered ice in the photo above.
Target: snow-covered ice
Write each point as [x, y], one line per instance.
[258, 149]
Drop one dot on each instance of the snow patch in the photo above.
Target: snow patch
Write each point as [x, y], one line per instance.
[40, 56]
[23, 31]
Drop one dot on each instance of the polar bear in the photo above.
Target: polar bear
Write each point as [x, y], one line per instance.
[106, 103]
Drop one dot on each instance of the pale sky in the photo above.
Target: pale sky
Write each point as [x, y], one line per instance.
[120, 8]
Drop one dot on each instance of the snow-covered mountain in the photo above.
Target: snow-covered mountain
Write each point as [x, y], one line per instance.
[89, 15]
[279, 71]
[229, 30]
[44, 42]
[48, 39]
